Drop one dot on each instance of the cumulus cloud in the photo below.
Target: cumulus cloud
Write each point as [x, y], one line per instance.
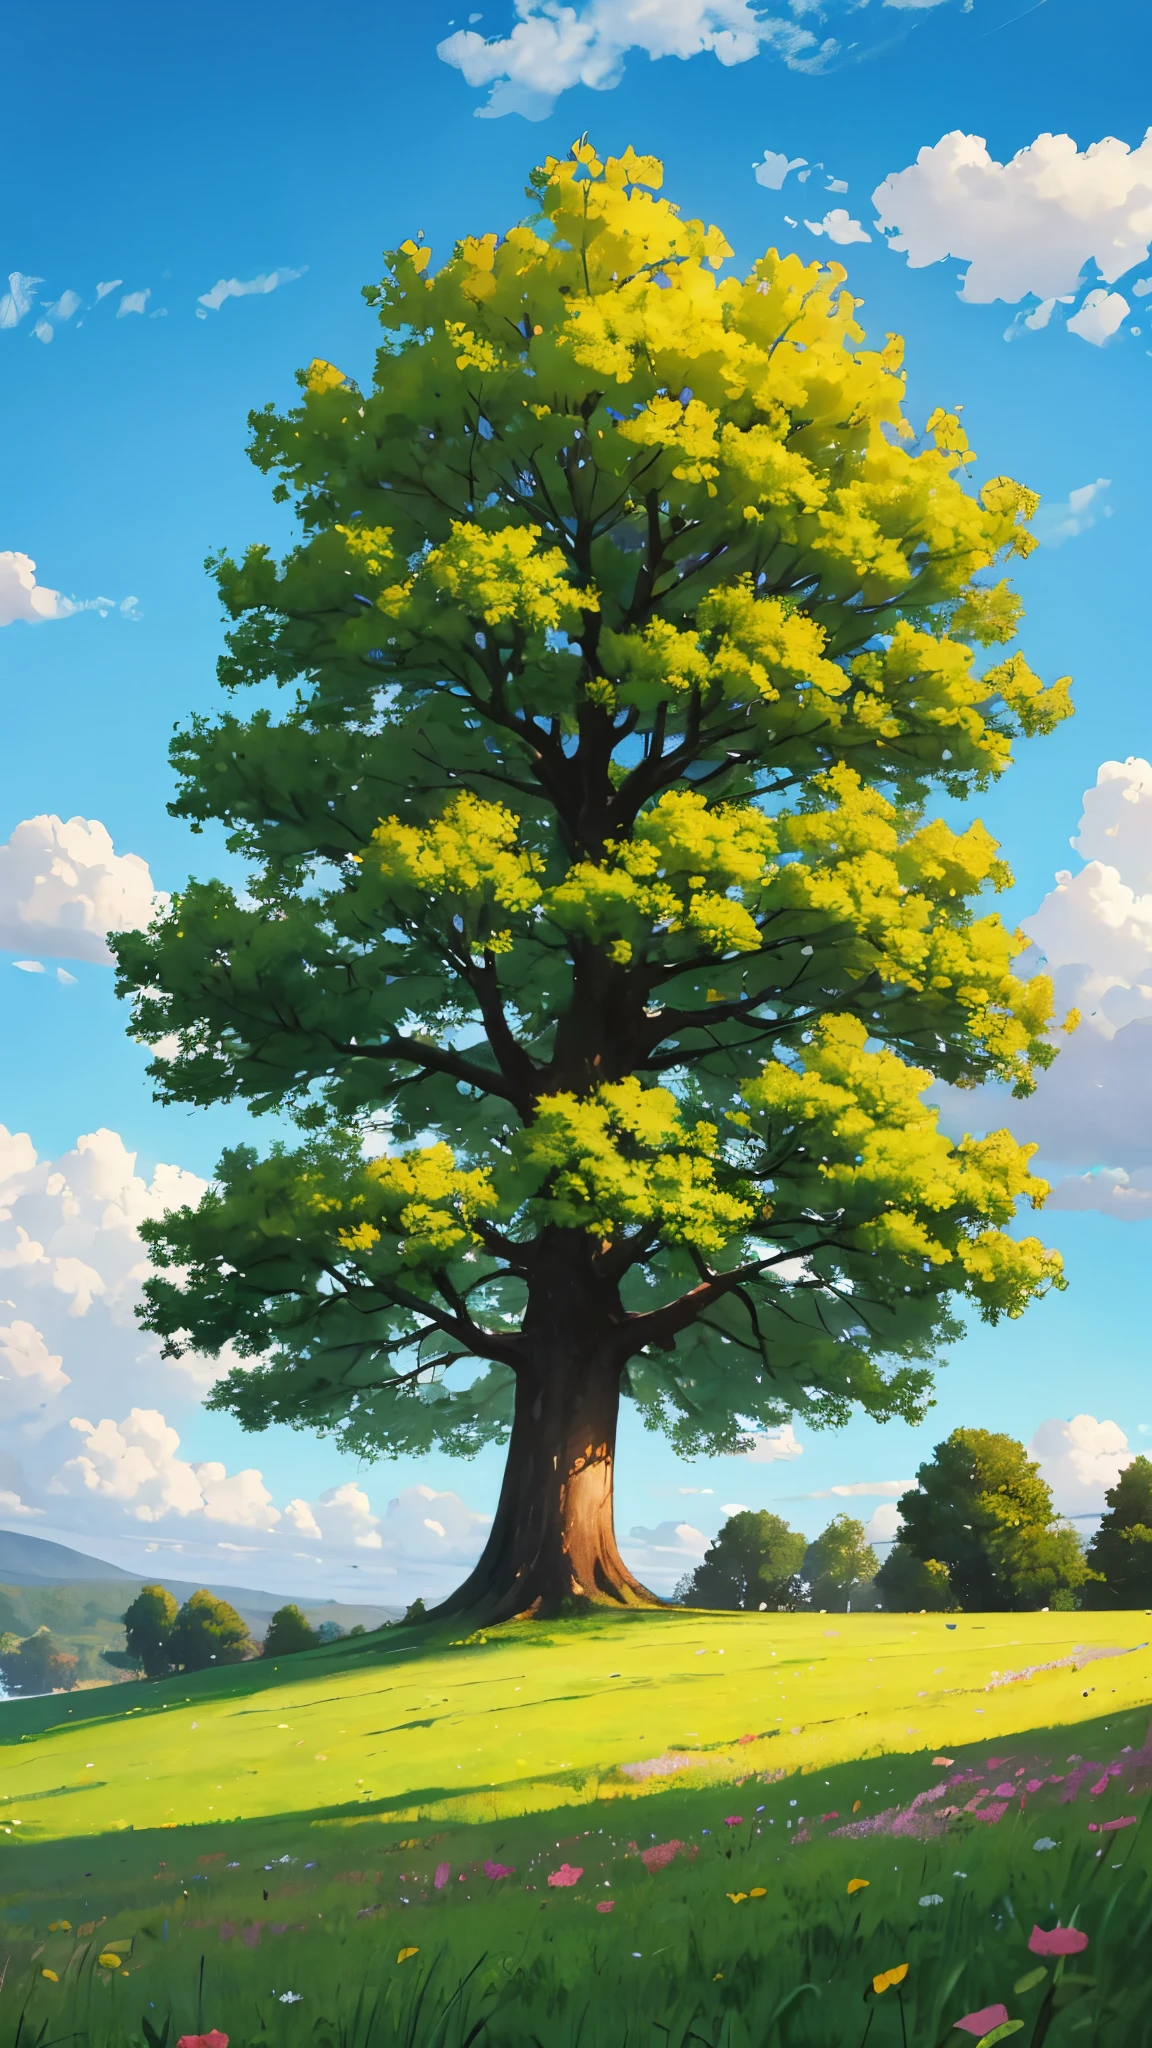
[134, 1464]
[235, 288]
[1099, 317]
[1092, 1110]
[1028, 227]
[775, 168]
[11, 1504]
[1080, 1460]
[63, 888]
[882, 1524]
[133, 302]
[661, 1556]
[839, 227]
[21, 597]
[554, 45]
[1067, 517]
[19, 299]
[773, 1445]
[30, 1375]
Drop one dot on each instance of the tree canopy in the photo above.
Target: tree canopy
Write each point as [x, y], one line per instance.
[288, 1632]
[208, 1631]
[983, 1516]
[596, 934]
[839, 1565]
[1121, 1550]
[148, 1622]
[754, 1562]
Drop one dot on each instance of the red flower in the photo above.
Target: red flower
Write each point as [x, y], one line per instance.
[214, 2039]
[1057, 1941]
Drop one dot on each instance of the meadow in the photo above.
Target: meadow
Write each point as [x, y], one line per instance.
[619, 1832]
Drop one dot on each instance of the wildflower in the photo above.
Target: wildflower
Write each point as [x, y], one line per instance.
[405, 1953]
[887, 1977]
[659, 1854]
[982, 2022]
[1044, 1842]
[499, 1870]
[443, 1873]
[945, 1763]
[213, 2039]
[735, 1820]
[51, 1976]
[858, 1884]
[567, 1874]
[1057, 1941]
[932, 1899]
[108, 1961]
[605, 1905]
[736, 1897]
[758, 1891]
[59, 1927]
[290, 1997]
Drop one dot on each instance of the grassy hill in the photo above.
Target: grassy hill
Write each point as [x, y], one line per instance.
[264, 1844]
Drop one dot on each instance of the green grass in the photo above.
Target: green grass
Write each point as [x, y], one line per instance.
[263, 1831]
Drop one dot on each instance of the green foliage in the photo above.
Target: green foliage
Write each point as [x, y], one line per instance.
[37, 1664]
[148, 1622]
[839, 1566]
[208, 1631]
[630, 627]
[754, 1562]
[288, 1632]
[908, 1584]
[1121, 1550]
[984, 1515]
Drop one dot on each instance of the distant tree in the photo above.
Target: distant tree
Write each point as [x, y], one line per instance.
[416, 1611]
[36, 1664]
[290, 1631]
[1121, 1550]
[207, 1631]
[629, 629]
[754, 1562]
[148, 1621]
[838, 1565]
[908, 1584]
[982, 1511]
[330, 1632]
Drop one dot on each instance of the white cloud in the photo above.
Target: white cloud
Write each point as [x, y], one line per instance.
[860, 1488]
[1092, 1110]
[102, 290]
[30, 966]
[839, 227]
[1142, 287]
[1080, 1460]
[1099, 317]
[661, 1556]
[836, 185]
[57, 315]
[1026, 227]
[21, 597]
[883, 1523]
[1073, 515]
[30, 1375]
[63, 888]
[554, 45]
[11, 1504]
[233, 288]
[19, 298]
[134, 1464]
[133, 302]
[775, 168]
[774, 1445]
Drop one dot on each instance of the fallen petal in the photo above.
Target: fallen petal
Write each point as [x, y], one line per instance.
[982, 2022]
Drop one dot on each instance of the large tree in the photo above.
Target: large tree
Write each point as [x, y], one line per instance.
[1120, 1552]
[981, 1523]
[595, 934]
[754, 1562]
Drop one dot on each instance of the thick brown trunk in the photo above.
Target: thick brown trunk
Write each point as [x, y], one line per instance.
[552, 1547]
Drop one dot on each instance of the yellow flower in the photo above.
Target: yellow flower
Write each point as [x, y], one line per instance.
[758, 1891]
[405, 1953]
[59, 1927]
[108, 1961]
[888, 1977]
[857, 1884]
[736, 1897]
[51, 1976]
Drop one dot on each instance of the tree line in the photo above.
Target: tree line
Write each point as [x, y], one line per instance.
[161, 1638]
[979, 1533]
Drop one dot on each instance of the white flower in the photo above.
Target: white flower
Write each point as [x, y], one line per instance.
[1045, 1842]
[290, 1997]
[932, 1899]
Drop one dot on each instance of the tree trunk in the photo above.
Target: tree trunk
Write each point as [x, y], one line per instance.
[552, 1545]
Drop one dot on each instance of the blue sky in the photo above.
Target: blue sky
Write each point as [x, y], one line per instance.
[167, 153]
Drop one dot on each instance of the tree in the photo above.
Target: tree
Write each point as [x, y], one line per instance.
[839, 1565]
[290, 1631]
[754, 1562]
[1120, 1552]
[908, 1584]
[595, 933]
[36, 1664]
[207, 1631]
[984, 1515]
[148, 1621]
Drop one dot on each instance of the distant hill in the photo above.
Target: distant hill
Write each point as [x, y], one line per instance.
[32, 1562]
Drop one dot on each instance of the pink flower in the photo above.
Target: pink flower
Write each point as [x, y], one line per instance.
[215, 2039]
[567, 1874]
[1107, 1826]
[734, 1820]
[605, 1905]
[1034, 1784]
[1057, 1941]
[1005, 1791]
[499, 1870]
[659, 1854]
[982, 2022]
[443, 1873]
